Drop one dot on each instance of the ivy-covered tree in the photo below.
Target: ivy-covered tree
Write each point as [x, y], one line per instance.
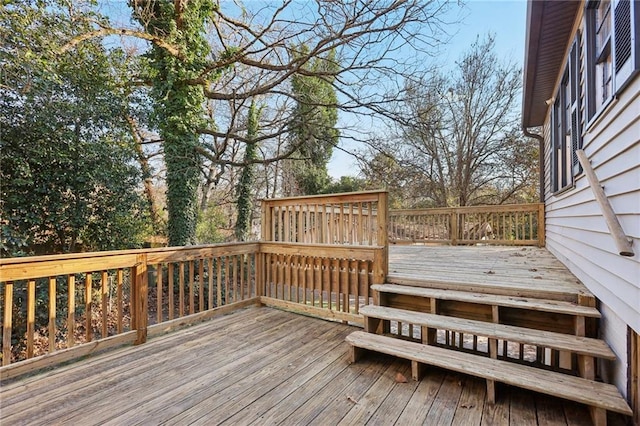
[67, 176]
[178, 106]
[313, 126]
[247, 177]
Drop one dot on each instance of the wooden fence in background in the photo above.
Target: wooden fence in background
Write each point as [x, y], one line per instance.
[514, 224]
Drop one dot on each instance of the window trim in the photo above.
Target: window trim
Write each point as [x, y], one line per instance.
[621, 78]
[566, 124]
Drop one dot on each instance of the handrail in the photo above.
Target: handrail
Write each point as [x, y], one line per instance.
[623, 243]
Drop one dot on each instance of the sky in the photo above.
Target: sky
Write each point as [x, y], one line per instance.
[506, 19]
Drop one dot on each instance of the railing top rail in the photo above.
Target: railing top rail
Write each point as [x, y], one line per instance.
[481, 209]
[321, 250]
[361, 196]
[94, 254]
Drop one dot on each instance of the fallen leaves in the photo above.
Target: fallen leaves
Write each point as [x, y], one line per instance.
[400, 378]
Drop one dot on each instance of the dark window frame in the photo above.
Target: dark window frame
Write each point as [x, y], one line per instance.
[624, 56]
[566, 124]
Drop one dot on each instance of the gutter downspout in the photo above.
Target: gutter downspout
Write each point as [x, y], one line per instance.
[540, 139]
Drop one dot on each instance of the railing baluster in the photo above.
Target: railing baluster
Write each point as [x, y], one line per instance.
[7, 323]
[234, 292]
[159, 292]
[52, 314]
[210, 265]
[71, 311]
[170, 290]
[192, 295]
[105, 299]
[88, 282]
[200, 285]
[181, 295]
[31, 316]
[219, 281]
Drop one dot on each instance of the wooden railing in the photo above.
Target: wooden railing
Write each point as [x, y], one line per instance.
[515, 224]
[55, 308]
[61, 307]
[356, 218]
[322, 253]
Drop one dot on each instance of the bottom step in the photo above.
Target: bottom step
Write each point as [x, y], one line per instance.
[594, 394]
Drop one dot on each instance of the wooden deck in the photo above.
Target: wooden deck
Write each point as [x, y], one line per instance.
[511, 271]
[264, 366]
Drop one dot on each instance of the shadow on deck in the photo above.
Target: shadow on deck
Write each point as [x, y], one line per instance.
[264, 366]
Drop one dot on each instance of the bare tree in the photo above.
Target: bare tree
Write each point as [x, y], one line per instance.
[457, 133]
[232, 52]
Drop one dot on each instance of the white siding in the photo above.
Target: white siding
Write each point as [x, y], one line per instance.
[578, 235]
[615, 330]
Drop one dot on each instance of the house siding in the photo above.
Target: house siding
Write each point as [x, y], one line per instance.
[576, 232]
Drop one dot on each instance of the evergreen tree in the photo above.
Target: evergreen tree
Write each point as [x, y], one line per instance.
[313, 126]
[67, 175]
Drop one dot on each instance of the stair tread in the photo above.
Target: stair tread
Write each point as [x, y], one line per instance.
[555, 384]
[545, 305]
[560, 341]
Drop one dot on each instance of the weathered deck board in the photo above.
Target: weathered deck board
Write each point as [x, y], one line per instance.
[499, 270]
[261, 366]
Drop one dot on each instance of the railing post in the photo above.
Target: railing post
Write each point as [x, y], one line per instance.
[139, 304]
[541, 226]
[259, 272]
[382, 260]
[454, 226]
[265, 222]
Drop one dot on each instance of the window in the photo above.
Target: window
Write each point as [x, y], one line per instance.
[613, 55]
[566, 125]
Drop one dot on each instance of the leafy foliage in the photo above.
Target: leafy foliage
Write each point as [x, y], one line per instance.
[178, 106]
[68, 182]
[247, 177]
[313, 126]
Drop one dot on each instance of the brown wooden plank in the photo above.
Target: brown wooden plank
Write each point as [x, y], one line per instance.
[192, 296]
[171, 291]
[497, 414]
[181, 298]
[104, 297]
[159, 290]
[576, 344]
[210, 273]
[392, 407]
[549, 411]
[295, 364]
[88, 304]
[522, 410]
[555, 384]
[71, 311]
[7, 323]
[201, 285]
[52, 314]
[445, 404]
[554, 306]
[367, 405]
[471, 403]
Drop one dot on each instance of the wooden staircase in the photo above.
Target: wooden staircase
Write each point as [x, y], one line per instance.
[544, 343]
